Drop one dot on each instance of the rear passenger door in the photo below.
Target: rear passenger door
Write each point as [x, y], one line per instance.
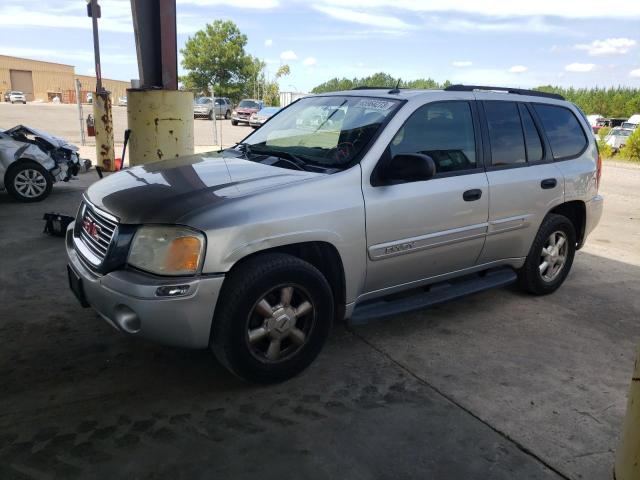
[524, 183]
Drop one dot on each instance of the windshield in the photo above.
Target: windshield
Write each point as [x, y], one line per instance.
[326, 131]
[621, 133]
[203, 101]
[249, 104]
[269, 111]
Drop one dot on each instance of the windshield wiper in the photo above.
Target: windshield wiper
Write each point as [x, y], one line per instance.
[290, 158]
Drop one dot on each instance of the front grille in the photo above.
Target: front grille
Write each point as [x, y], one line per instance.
[96, 232]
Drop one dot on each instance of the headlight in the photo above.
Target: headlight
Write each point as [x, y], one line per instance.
[234, 112]
[167, 250]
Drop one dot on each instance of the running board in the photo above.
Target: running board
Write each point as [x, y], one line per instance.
[431, 295]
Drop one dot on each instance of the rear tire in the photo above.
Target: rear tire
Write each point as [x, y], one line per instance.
[262, 331]
[28, 181]
[551, 256]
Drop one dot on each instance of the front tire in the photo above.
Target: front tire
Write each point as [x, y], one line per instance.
[551, 256]
[227, 115]
[234, 122]
[273, 318]
[28, 181]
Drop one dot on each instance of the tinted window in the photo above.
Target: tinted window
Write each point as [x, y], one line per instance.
[249, 104]
[563, 130]
[531, 136]
[442, 130]
[505, 133]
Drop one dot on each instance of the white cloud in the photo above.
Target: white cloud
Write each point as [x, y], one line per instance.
[518, 69]
[462, 63]
[20, 17]
[610, 46]
[288, 55]
[500, 8]
[580, 67]
[257, 4]
[268, 42]
[354, 16]
[58, 56]
[309, 61]
[635, 73]
[485, 24]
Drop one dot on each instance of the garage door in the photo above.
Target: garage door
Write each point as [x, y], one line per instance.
[23, 81]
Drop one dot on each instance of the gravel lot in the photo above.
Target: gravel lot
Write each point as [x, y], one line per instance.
[499, 385]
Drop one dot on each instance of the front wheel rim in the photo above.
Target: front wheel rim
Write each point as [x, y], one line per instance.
[553, 256]
[280, 323]
[30, 183]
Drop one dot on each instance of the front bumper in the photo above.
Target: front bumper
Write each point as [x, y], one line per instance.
[238, 118]
[127, 300]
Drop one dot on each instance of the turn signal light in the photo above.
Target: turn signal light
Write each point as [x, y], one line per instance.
[183, 254]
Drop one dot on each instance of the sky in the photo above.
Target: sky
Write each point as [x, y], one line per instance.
[502, 43]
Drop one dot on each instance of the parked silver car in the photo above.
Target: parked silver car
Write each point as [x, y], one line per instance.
[257, 119]
[396, 200]
[31, 161]
[203, 108]
[617, 138]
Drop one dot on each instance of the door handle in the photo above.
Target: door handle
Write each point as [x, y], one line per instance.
[472, 195]
[548, 183]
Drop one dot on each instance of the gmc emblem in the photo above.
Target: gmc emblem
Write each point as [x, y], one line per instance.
[91, 228]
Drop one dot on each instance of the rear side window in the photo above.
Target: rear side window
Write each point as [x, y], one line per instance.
[505, 133]
[531, 136]
[563, 130]
[442, 130]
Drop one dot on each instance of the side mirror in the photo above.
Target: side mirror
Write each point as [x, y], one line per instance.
[410, 167]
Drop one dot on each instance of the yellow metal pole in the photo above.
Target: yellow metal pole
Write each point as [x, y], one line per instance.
[105, 155]
[627, 465]
[161, 124]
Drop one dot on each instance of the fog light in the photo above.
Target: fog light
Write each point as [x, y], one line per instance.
[172, 291]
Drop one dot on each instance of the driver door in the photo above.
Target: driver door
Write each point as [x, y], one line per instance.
[421, 229]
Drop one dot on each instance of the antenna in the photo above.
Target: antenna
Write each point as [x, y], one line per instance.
[397, 88]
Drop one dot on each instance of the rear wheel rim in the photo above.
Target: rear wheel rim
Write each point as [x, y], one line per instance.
[280, 323]
[30, 183]
[553, 256]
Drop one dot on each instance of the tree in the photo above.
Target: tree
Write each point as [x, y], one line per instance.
[379, 79]
[216, 56]
[631, 149]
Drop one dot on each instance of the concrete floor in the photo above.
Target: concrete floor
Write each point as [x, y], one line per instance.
[499, 385]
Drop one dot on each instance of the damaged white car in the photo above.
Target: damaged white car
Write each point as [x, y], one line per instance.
[31, 161]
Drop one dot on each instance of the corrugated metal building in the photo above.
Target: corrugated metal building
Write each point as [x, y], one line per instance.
[45, 80]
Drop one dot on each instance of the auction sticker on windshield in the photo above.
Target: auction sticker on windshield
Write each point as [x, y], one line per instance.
[374, 104]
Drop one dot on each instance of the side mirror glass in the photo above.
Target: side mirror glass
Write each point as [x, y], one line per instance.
[410, 167]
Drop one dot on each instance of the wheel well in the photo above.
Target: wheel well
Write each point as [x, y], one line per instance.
[576, 212]
[325, 258]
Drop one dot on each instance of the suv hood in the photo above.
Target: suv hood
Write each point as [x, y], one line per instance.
[171, 191]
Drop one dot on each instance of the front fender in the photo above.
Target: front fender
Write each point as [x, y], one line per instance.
[249, 248]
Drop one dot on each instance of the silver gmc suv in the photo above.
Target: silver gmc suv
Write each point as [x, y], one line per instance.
[351, 205]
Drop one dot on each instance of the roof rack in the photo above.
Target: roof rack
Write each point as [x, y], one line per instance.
[517, 91]
[364, 87]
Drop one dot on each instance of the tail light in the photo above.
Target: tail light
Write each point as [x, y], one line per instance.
[598, 171]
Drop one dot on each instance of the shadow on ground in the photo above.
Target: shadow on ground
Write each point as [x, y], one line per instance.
[514, 378]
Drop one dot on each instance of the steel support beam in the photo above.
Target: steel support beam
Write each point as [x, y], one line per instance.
[154, 26]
